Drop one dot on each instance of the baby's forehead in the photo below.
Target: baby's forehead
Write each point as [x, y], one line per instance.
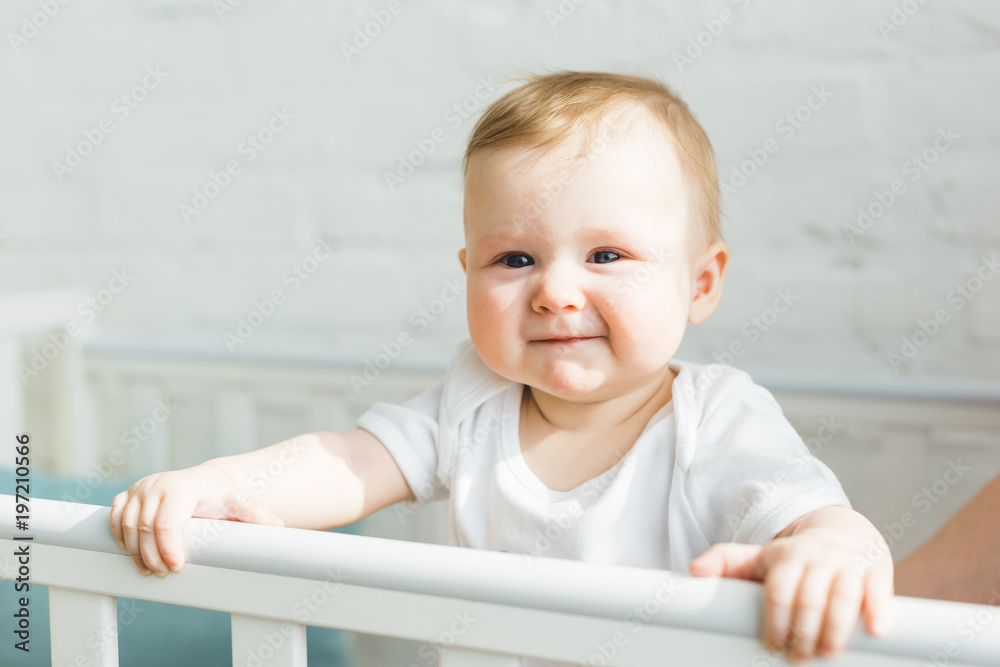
[628, 129]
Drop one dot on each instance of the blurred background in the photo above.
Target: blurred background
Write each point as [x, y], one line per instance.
[227, 222]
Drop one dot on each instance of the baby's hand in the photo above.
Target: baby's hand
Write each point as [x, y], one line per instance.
[814, 588]
[148, 519]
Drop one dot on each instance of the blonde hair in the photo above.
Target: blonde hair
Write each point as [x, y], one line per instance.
[550, 108]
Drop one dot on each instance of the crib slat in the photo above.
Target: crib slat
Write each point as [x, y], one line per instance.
[152, 453]
[267, 642]
[328, 412]
[74, 446]
[237, 421]
[460, 657]
[84, 628]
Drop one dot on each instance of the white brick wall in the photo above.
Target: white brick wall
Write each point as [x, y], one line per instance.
[354, 119]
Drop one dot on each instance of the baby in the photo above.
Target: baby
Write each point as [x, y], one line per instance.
[564, 428]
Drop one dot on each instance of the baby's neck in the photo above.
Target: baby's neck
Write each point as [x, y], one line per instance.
[594, 418]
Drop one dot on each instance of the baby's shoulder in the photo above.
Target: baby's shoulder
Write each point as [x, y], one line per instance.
[468, 384]
[711, 393]
[708, 384]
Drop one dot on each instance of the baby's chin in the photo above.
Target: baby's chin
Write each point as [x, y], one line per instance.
[576, 382]
[569, 381]
[574, 378]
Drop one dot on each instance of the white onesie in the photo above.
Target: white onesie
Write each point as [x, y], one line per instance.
[718, 463]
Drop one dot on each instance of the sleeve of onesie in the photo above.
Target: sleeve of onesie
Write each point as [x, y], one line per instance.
[410, 432]
[751, 475]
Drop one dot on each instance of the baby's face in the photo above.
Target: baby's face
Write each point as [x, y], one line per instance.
[579, 272]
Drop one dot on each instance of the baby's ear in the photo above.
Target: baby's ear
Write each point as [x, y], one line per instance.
[461, 258]
[707, 274]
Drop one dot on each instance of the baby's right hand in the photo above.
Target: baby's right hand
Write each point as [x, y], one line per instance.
[148, 519]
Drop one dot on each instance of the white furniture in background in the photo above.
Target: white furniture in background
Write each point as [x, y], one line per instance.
[39, 360]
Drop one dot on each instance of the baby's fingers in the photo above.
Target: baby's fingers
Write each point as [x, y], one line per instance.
[117, 506]
[147, 537]
[781, 586]
[810, 606]
[130, 532]
[742, 561]
[878, 605]
[842, 613]
[175, 513]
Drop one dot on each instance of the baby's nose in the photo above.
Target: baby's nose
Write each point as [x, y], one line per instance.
[557, 290]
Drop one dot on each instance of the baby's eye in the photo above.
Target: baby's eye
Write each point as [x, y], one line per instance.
[519, 260]
[606, 256]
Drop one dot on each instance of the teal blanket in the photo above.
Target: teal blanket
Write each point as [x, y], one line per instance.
[150, 634]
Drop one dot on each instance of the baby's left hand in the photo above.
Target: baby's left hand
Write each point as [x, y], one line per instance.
[816, 581]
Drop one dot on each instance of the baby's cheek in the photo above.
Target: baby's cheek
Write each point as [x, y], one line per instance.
[492, 319]
[653, 323]
[496, 305]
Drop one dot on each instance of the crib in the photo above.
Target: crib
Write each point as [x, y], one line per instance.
[481, 609]
[398, 580]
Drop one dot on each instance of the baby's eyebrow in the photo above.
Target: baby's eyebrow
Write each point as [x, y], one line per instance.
[490, 238]
[592, 233]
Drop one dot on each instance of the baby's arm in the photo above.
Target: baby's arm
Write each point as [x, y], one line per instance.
[318, 480]
[818, 573]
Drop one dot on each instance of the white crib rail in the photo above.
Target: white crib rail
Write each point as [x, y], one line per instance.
[482, 608]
